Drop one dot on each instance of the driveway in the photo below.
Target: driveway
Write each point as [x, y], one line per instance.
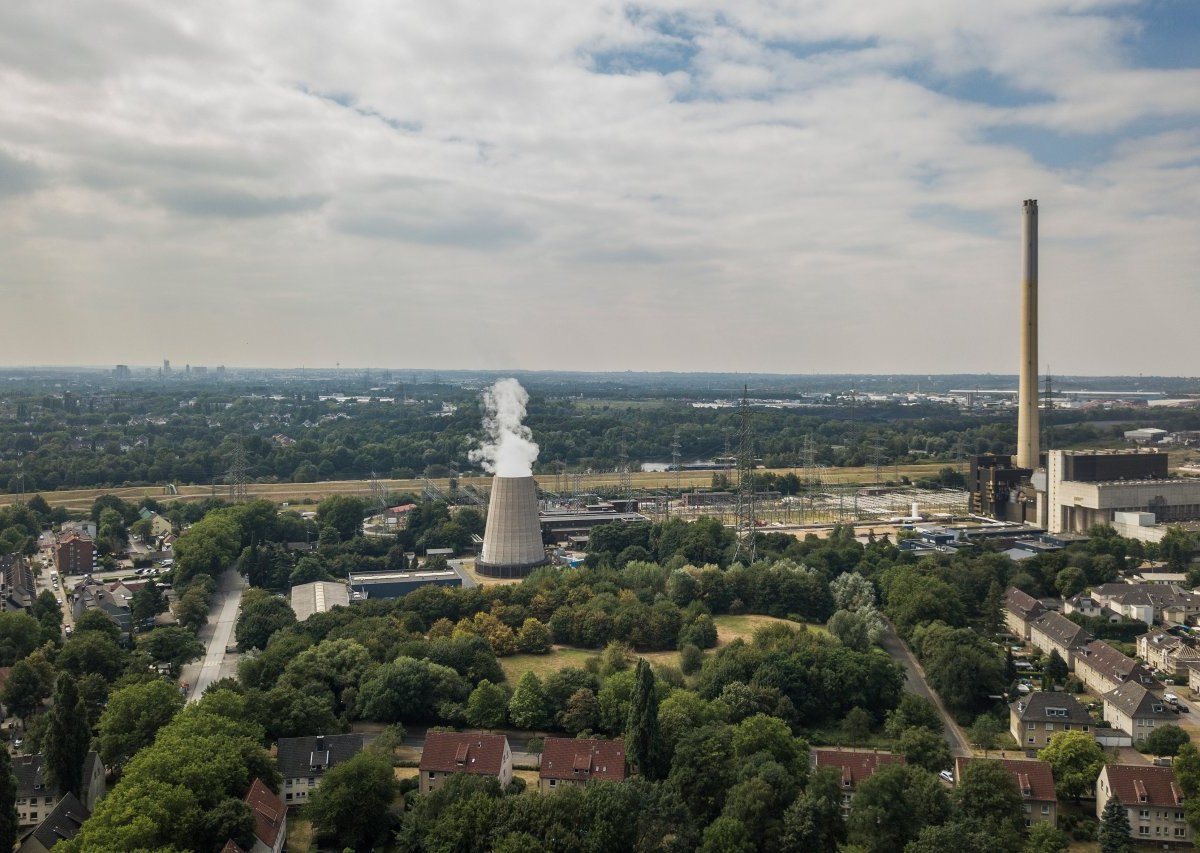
[914, 682]
[217, 635]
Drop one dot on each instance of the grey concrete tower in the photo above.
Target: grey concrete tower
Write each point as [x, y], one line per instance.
[1027, 396]
[512, 542]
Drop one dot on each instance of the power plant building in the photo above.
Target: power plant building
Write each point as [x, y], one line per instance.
[372, 585]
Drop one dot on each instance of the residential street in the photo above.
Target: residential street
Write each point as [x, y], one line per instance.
[217, 635]
[916, 683]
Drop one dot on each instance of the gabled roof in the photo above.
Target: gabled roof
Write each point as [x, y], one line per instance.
[269, 813]
[583, 759]
[298, 757]
[1062, 630]
[1022, 604]
[1139, 784]
[1035, 779]
[31, 776]
[62, 824]
[855, 765]
[464, 752]
[1135, 700]
[1051, 707]
[231, 846]
[1114, 666]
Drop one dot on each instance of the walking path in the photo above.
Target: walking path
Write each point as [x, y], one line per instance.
[217, 636]
[915, 682]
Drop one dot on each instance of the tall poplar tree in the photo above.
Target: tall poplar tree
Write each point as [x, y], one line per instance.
[67, 737]
[643, 742]
[8, 802]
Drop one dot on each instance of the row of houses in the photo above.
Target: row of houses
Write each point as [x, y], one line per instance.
[1152, 798]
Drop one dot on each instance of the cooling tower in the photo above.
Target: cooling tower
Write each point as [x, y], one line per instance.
[1027, 392]
[512, 543]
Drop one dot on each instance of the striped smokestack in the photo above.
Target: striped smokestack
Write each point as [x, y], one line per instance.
[1027, 417]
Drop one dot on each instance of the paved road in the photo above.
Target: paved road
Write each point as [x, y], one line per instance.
[457, 566]
[217, 635]
[915, 682]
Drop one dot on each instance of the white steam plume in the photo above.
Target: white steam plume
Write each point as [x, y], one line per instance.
[509, 450]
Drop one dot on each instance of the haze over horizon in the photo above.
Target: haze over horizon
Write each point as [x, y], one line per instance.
[829, 188]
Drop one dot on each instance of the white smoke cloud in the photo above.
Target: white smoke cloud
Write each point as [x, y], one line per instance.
[509, 450]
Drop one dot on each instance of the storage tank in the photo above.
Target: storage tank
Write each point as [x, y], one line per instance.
[512, 542]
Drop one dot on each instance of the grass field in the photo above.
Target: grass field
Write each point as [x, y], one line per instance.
[729, 628]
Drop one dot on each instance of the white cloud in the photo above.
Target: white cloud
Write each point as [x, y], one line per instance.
[815, 186]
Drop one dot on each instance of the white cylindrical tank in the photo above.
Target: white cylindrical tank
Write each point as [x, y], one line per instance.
[512, 542]
[916, 511]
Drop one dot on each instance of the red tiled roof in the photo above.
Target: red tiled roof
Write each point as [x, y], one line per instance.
[463, 752]
[269, 813]
[1132, 782]
[232, 847]
[583, 758]
[855, 766]
[1035, 779]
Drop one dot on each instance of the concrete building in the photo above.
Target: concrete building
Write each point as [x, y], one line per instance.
[304, 761]
[1152, 799]
[1033, 719]
[1136, 711]
[1150, 603]
[1085, 488]
[1087, 605]
[91, 594]
[36, 797]
[855, 766]
[1035, 781]
[318, 597]
[1102, 668]
[371, 585]
[1053, 632]
[17, 587]
[512, 540]
[447, 753]
[61, 824]
[577, 761]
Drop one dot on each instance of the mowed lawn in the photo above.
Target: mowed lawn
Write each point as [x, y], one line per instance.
[729, 628]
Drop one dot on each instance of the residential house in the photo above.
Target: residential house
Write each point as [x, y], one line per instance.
[304, 761]
[1152, 799]
[1086, 605]
[91, 594]
[36, 798]
[1033, 719]
[1150, 602]
[1035, 781]
[17, 587]
[86, 529]
[270, 819]
[855, 767]
[447, 753]
[61, 824]
[159, 526]
[1166, 652]
[1136, 711]
[1102, 668]
[1020, 610]
[75, 555]
[576, 761]
[1053, 632]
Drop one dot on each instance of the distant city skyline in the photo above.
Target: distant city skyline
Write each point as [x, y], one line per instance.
[677, 185]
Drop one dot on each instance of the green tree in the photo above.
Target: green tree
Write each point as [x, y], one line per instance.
[1167, 740]
[857, 725]
[19, 635]
[923, 748]
[1114, 834]
[487, 705]
[67, 737]
[343, 513]
[26, 687]
[985, 731]
[147, 602]
[912, 711]
[307, 570]
[1056, 668]
[9, 824]
[581, 712]
[894, 805]
[171, 645]
[132, 718]
[727, 835]
[987, 794]
[1076, 760]
[528, 708]
[262, 614]
[1187, 774]
[1045, 838]
[352, 799]
[814, 822]
[643, 743]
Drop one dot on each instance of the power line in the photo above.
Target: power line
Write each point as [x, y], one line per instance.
[745, 525]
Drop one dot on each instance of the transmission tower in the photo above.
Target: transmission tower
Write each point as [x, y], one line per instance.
[745, 525]
[877, 451]
[379, 494]
[676, 462]
[238, 475]
[626, 486]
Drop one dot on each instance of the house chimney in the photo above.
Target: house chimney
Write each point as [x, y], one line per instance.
[1027, 417]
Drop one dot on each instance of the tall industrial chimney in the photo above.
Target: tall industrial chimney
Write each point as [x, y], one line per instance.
[512, 542]
[1027, 417]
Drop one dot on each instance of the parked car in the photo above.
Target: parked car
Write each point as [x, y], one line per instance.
[947, 776]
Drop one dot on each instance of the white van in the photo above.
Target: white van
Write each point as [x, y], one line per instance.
[1170, 697]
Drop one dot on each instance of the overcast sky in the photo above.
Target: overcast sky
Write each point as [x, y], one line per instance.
[805, 186]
